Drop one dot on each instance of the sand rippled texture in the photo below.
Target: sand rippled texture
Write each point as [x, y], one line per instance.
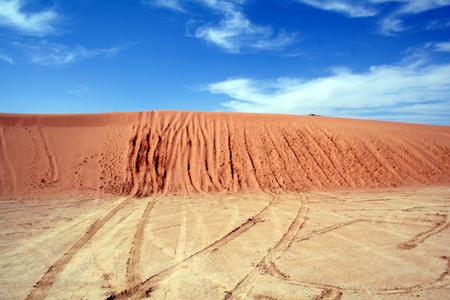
[181, 153]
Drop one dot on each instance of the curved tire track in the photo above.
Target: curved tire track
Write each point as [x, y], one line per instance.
[267, 264]
[41, 288]
[145, 287]
[135, 252]
[421, 237]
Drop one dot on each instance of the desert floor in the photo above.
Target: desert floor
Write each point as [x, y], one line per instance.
[378, 244]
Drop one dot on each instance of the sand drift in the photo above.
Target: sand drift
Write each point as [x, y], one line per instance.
[185, 153]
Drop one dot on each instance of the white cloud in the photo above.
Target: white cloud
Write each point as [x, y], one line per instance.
[170, 4]
[78, 90]
[353, 9]
[12, 15]
[391, 21]
[442, 47]
[232, 31]
[235, 32]
[435, 24]
[46, 53]
[405, 92]
[390, 25]
[6, 58]
[418, 6]
[367, 8]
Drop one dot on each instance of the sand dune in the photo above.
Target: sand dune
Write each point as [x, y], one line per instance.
[196, 205]
[184, 153]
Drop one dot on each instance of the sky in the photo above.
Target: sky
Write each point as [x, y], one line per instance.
[365, 59]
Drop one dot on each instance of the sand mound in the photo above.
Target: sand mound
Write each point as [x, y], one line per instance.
[143, 153]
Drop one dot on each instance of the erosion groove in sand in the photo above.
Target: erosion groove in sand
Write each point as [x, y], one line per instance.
[184, 153]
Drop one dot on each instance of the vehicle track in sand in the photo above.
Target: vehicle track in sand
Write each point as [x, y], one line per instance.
[53, 172]
[421, 237]
[40, 289]
[145, 287]
[133, 274]
[442, 280]
[333, 291]
[42, 177]
[8, 186]
[267, 264]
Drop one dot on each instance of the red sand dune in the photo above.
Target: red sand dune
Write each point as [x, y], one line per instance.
[172, 152]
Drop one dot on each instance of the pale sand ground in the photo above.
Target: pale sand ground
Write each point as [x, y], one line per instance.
[377, 244]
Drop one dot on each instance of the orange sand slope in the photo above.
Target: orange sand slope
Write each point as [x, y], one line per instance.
[172, 152]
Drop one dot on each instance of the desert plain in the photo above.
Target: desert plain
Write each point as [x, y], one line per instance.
[200, 205]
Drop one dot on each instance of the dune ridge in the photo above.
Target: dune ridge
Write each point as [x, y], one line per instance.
[182, 153]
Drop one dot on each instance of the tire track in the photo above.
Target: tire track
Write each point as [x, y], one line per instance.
[421, 237]
[312, 156]
[325, 154]
[9, 167]
[296, 154]
[135, 252]
[267, 264]
[327, 229]
[278, 175]
[334, 292]
[232, 167]
[441, 281]
[181, 244]
[145, 287]
[255, 164]
[51, 160]
[42, 286]
[329, 294]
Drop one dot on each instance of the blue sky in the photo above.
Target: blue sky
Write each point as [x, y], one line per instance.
[370, 59]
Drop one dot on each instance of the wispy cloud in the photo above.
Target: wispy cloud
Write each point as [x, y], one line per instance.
[232, 31]
[6, 58]
[442, 47]
[409, 92]
[417, 6]
[391, 21]
[353, 9]
[435, 24]
[78, 90]
[171, 4]
[14, 16]
[43, 52]
[389, 26]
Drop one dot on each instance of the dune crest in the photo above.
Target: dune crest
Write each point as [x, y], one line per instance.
[172, 152]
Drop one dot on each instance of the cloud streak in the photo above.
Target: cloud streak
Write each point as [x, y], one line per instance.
[235, 31]
[13, 16]
[442, 47]
[232, 31]
[390, 23]
[46, 53]
[409, 92]
[6, 58]
[353, 9]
